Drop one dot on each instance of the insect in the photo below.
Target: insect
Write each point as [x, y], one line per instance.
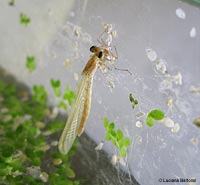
[80, 109]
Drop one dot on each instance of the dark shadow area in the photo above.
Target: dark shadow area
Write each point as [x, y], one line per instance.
[97, 168]
[91, 165]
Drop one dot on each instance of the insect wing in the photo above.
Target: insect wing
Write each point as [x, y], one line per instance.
[70, 131]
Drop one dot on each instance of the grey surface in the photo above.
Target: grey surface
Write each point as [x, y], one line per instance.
[95, 167]
[140, 24]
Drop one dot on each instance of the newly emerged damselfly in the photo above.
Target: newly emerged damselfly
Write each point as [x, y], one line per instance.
[80, 109]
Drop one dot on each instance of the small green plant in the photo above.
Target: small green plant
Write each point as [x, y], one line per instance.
[133, 101]
[40, 95]
[117, 137]
[62, 105]
[56, 87]
[69, 95]
[154, 115]
[24, 147]
[30, 63]
[24, 19]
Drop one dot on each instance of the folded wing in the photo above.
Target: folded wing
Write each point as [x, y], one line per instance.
[78, 115]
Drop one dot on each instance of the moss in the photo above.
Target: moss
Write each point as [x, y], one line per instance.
[24, 148]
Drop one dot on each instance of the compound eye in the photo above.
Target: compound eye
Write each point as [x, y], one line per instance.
[93, 49]
[100, 54]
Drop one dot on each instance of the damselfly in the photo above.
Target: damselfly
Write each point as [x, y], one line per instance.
[80, 109]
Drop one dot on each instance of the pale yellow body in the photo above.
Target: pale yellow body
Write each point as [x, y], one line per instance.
[80, 109]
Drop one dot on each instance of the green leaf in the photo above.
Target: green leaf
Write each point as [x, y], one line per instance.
[149, 121]
[154, 115]
[63, 105]
[55, 126]
[111, 126]
[113, 133]
[106, 122]
[36, 161]
[119, 135]
[24, 19]
[70, 173]
[29, 152]
[40, 95]
[108, 136]
[69, 95]
[126, 142]
[56, 87]
[76, 183]
[11, 88]
[131, 97]
[157, 114]
[55, 83]
[30, 63]
[39, 153]
[123, 151]
[57, 92]
[7, 151]
[133, 101]
[115, 142]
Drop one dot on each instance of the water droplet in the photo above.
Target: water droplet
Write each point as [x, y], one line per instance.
[161, 66]
[194, 141]
[76, 77]
[151, 54]
[168, 122]
[57, 161]
[67, 63]
[176, 128]
[44, 177]
[139, 124]
[121, 161]
[178, 79]
[195, 89]
[180, 13]
[170, 102]
[139, 115]
[99, 146]
[193, 32]
[114, 160]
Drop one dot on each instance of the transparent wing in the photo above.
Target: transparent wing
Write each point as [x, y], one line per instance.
[78, 115]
